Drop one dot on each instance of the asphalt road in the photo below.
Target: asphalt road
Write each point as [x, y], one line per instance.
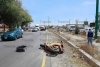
[33, 57]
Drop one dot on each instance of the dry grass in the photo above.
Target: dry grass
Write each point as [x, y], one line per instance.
[76, 58]
[68, 38]
[98, 40]
[92, 51]
[83, 33]
[89, 49]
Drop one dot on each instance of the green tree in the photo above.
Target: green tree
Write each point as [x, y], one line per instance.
[13, 14]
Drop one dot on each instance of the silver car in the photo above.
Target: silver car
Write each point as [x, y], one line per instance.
[34, 29]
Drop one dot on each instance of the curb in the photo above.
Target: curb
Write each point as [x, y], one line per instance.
[92, 61]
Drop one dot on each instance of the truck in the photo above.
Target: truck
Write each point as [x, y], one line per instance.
[37, 26]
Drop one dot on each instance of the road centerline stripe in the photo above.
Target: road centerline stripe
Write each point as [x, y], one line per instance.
[44, 58]
[43, 61]
[47, 38]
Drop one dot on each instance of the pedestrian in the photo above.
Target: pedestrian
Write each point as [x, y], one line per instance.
[90, 36]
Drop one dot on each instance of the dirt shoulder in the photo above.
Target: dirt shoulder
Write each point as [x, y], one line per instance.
[70, 57]
[94, 51]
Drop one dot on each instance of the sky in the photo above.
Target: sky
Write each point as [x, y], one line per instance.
[59, 12]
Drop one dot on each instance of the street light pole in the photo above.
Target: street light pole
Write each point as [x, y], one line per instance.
[69, 21]
[96, 18]
[40, 22]
[76, 22]
[48, 21]
[44, 23]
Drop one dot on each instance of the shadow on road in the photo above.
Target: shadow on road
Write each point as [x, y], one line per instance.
[49, 53]
[6, 40]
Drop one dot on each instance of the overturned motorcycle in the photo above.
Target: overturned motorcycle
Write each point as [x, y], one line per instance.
[54, 48]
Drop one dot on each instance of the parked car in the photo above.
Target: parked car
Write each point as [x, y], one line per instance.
[12, 34]
[34, 29]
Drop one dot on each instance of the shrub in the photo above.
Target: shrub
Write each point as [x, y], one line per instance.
[77, 30]
[98, 40]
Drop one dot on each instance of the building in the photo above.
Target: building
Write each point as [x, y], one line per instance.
[2, 27]
[79, 25]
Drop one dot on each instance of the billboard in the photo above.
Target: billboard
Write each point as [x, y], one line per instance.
[92, 24]
[85, 22]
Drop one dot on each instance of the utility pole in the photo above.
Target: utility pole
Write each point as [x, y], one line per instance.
[40, 22]
[44, 23]
[96, 18]
[69, 21]
[76, 22]
[48, 21]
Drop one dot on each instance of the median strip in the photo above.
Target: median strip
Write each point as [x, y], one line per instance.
[92, 61]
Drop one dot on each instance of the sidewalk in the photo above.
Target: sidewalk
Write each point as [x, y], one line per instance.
[74, 37]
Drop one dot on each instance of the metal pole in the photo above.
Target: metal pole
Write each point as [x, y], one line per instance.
[44, 23]
[40, 22]
[76, 23]
[48, 21]
[96, 18]
[69, 21]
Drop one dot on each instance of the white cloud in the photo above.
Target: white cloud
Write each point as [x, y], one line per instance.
[89, 3]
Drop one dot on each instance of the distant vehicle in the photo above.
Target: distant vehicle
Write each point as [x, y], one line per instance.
[93, 29]
[37, 26]
[71, 27]
[12, 34]
[81, 29]
[53, 27]
[30, 30]
[34, 29]
[42, 28]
